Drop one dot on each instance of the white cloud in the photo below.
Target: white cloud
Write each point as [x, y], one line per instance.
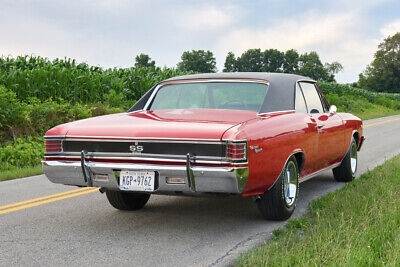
[51, 40]
[298, 33]
[205, 18]
[336, 37]
[391, 29]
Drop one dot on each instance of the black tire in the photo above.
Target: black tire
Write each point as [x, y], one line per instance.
[273, 204]
[127, 200]
[345, 172]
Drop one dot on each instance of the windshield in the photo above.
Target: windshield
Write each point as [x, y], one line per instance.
[210, 95]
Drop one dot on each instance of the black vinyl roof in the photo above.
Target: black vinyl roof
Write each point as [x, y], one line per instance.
[280, 95]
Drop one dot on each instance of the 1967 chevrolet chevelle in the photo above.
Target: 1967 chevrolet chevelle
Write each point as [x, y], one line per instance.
[253, 134]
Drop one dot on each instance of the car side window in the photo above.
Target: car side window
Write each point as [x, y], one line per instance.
[300, 103]
[323, 99]
[312, 98]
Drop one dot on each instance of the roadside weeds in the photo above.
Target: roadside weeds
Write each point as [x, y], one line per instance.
[20, 173]
[356, 225]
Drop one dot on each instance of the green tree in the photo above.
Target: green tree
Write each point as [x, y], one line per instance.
[198, 61]
[230, 63]
[291, 61]
[144, 60]
[383, 74]
[332, 69]
[311, 66]
[251, 60]
[273, 60]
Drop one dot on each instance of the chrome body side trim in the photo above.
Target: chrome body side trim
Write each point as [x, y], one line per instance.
[312, 175]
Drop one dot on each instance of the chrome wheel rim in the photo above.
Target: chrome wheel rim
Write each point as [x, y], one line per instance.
[353, 157]
[290, 183]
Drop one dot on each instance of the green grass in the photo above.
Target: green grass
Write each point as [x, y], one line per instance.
[358, 225]
[376, 113]
[20, 172]
[362, 103]
[362, 107]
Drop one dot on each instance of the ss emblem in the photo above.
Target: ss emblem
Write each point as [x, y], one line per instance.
[136, 148]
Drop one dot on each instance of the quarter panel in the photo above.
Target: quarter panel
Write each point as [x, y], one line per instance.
[351, 124]
[279, 136]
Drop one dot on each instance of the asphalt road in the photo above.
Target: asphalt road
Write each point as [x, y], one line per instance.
[81, 228]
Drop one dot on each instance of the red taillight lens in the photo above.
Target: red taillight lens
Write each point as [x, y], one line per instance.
[53, 146]
[236, 151]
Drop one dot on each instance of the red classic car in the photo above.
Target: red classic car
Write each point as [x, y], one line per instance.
[253, 134]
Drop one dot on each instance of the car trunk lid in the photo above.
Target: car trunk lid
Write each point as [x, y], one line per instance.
[162, 124]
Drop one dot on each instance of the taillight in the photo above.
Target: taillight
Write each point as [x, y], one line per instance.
[236, 151]
[53, 146]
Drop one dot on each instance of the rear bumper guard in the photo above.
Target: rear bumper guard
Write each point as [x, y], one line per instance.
[87, 174]
[189, 172]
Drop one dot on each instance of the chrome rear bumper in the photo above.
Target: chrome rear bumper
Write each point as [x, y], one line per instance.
[197, 178]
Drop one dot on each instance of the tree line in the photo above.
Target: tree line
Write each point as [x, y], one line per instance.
[273, 60]
[382, 75]
[255, 60]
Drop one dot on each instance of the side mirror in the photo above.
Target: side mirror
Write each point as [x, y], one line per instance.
[332, 110]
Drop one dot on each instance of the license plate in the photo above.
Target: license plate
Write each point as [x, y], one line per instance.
[136, 181]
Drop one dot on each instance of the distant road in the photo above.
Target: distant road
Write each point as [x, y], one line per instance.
[65, 227]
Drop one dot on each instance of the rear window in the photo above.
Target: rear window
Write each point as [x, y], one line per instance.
[210, 95]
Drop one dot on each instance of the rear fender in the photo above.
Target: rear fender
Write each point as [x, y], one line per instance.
[300, 166]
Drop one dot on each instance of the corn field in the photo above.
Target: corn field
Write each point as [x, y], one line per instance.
[343, 89]
[65, 79]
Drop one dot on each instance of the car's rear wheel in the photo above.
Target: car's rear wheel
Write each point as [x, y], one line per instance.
[127, 200]
[279, 202]
[346, 171]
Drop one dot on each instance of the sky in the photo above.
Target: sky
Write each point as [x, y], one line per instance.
[110, 33]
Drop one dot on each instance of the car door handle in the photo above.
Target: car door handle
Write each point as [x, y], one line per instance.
[320, 126]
